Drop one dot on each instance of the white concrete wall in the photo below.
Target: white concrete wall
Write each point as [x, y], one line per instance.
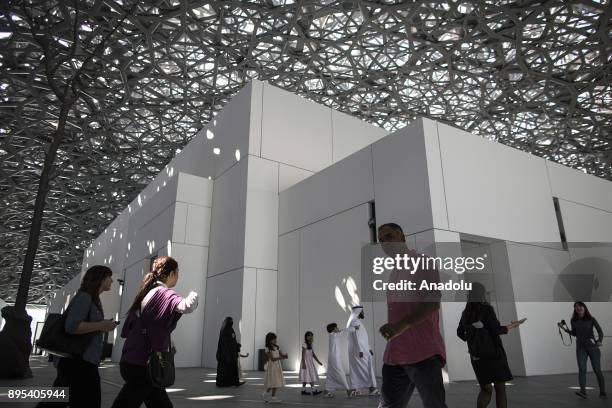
[401, 186]
[486, 181]
[192, 214]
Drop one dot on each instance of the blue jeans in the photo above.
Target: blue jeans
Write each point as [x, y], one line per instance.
[594, 354]
[399, 382]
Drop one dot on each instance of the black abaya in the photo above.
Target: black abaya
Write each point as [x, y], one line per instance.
[227, 356]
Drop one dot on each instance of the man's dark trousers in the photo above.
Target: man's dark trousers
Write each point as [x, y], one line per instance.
[399, 382]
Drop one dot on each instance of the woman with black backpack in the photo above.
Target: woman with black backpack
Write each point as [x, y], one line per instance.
[481, 329]
[85, 317]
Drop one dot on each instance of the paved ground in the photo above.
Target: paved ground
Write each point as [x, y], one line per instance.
[195, 387]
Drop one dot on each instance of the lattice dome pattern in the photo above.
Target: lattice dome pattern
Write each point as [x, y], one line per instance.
[535, 75]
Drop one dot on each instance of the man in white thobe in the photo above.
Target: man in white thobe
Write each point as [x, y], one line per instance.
[361, 362]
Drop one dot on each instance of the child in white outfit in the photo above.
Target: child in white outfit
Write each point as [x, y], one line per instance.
[336, 377]
[274, 370]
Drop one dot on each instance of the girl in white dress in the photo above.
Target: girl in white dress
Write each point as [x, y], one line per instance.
[274, 371]
[308, 370]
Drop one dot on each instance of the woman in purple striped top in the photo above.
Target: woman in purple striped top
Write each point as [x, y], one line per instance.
[154, 314]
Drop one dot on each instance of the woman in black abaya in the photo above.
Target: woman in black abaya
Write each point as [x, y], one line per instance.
[227, 356]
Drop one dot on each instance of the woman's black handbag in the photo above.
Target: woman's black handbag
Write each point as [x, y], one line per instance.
[55, 340]
[160, 366]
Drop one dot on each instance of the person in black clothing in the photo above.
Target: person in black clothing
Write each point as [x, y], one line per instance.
[480, 314]
[586, 346]
[228, 351]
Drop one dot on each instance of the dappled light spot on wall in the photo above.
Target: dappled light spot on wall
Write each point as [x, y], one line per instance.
[351, 287]
[169, 246]
[175, 389]
[209, 134]
[139, 200]
[237, 154]
[150, 246]
[339, 298]
[217, 151]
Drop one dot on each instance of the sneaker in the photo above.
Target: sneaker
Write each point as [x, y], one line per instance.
[316, 392]
[581, 394]
[374, 392]
[329, 394]
[354, 393]
[304, 392]
[274, 400]
[264, 396]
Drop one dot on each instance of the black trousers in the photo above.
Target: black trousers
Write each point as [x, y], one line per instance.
[83, 382]
[137, 389]
[399, 382]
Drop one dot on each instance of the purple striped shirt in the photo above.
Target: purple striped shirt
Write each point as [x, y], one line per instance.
[158, 319]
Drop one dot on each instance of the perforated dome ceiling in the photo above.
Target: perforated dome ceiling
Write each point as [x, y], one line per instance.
[532, 75]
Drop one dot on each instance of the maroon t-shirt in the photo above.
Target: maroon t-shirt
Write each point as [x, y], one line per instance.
[157, 319]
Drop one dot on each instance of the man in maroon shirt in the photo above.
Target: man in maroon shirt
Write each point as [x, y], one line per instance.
[414, 355]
